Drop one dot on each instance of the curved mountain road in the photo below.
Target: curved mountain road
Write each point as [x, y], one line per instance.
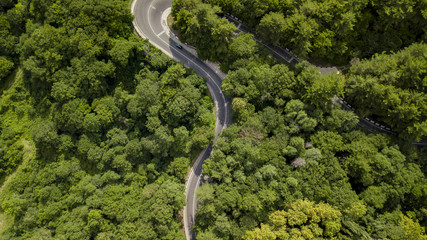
[150, 23]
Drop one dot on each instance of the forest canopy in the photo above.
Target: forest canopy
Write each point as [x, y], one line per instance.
[392, 88]
[99, 128]
[289, 151]
[294, 165]
[333, 30]
[103, 125]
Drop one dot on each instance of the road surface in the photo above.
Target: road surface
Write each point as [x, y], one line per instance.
[150, 23]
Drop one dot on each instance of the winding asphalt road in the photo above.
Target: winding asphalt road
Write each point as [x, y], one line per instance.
[150, 24]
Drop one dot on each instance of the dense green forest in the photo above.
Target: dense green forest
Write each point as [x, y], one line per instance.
[103, 125]
[294, 165]
[98, 128]
[389, 88]
[198, 24]
[332, 30]
[393, 89]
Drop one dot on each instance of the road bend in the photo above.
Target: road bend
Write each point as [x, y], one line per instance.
[150, 23]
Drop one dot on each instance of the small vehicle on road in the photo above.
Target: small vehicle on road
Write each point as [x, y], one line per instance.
[178, 46]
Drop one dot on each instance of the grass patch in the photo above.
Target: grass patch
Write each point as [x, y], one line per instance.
[16, 122]
[5, 222]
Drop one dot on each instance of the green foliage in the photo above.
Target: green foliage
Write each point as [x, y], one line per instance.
[16, 119]
[179, 167]
[412, 228]
[333, 30]
[87, 179]
[114, 122]
[5, 68]
[392, 89]
[292, 142]
[297, 118]
[199, 25]
[242, 109]
[8, 39]
[259, 84]
[45, 137]
[11, 156]
[341, 120]
[301, 219]
[270, 26]
[242, 47]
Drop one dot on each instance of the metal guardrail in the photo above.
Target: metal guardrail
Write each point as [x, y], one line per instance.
[290, 57]
[366, 121]
[284, 53]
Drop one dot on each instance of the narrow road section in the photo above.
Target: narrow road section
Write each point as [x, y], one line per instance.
[150, 23]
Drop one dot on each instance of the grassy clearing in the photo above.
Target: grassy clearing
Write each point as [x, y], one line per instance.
[17, 119]
[5, 222]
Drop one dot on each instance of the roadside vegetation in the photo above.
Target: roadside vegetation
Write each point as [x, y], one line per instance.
[294, 165]
[333, 30]
[111, 122]
[290, 143]
[392, 88]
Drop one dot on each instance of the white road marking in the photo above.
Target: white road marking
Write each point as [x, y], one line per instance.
[209, 76]
[161, 33]
[138, 29]
[192, 173]
[165, 15]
